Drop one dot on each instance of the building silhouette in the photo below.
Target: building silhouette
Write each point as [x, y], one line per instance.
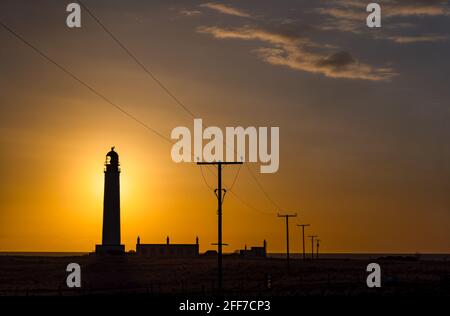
[167, 249]
[111, 207]
[255, 252]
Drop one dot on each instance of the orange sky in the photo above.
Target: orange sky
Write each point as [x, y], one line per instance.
[366, 163]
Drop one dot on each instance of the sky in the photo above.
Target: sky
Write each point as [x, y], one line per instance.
[363, 115]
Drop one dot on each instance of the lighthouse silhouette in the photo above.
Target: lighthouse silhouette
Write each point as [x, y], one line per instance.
[111, 208]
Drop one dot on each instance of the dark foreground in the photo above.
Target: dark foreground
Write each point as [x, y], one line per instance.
[37, 276]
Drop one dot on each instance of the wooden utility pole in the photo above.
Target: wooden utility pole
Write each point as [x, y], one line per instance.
[317, 248]
[287, 216]
[218, 193]
[303, 238]
[312, 245]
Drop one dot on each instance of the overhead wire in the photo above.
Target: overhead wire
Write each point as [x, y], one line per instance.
[120, 108]
[165, 88]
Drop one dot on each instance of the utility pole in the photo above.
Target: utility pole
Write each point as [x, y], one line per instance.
[312, 245]
[317, 248]
[303, 237]
[218, 193]
[287, 216]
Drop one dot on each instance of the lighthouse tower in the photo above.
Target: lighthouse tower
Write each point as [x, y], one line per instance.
[111, 208]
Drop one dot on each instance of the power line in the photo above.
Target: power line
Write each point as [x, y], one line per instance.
[244, 202]
[204, 179]
[164, 87]
[235, 178]
[262, 189]
[93, 90]
[102, 96]
[136, 60]
[250, 206]
[86, 85]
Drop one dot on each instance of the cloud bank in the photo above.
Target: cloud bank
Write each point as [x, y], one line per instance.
[291, 46]
[293, 51]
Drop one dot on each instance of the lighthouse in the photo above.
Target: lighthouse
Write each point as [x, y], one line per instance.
[111, 207]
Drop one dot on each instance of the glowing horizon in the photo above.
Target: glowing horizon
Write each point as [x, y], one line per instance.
[364, 161]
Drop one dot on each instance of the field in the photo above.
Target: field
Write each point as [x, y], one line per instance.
[21, 275]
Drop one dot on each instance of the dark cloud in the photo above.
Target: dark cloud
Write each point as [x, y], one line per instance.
[337, 60]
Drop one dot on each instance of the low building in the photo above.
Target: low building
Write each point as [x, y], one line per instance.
[167, 250]
[255, 252]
